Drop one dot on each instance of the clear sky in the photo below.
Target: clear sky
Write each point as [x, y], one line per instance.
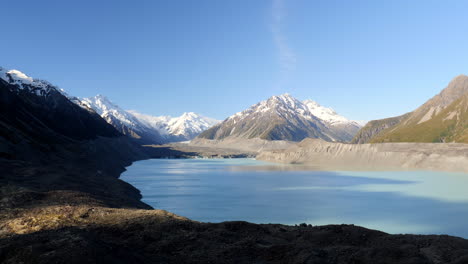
[366, 59]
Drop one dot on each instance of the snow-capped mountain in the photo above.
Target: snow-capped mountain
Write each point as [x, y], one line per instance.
[36, 115]
[284, 117]
[148, 129]
[143, 128]
[182, 128]
[123, 121]
[190, 124]
[105, 108]
[158, 123]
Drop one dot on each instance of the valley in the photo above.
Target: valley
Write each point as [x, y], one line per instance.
[256, 132]
[62, 156]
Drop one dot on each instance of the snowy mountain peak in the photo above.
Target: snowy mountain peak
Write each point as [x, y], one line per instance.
[184, 127]
[283, 117]
[24, 82]
[311, 103]
[190, 124]
[325, 113]
[101, 97]
[280, 105]
[108, 110]
[285, 99]
[101, 104]
[169, 129]
[19, 76]
[189, 115]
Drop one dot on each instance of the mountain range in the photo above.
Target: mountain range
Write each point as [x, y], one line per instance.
[147, 129]
[443, 118]
[38, 123]
[284, 117]
[176, 129]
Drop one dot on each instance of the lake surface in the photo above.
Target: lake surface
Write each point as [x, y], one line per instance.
[215, 190]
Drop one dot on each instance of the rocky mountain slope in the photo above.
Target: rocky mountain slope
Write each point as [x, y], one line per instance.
[457, 88]
[374, 127]
[441, 119]
[449, 125]
[284, 118]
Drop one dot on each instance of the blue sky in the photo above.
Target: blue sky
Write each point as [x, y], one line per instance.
[366, 59]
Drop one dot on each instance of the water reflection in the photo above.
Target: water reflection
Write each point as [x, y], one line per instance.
[242, 189]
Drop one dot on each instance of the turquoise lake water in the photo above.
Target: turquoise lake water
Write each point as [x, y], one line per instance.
[215, 190]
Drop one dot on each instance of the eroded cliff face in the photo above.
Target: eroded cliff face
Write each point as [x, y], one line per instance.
[254, 145]
[388, 156]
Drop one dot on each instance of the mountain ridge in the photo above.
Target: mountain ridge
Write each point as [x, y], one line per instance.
[442, 118]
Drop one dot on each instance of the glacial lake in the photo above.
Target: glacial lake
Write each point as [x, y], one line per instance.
[216, 190]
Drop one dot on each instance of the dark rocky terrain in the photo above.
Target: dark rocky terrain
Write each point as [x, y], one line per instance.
[92, 234]
[61, 202]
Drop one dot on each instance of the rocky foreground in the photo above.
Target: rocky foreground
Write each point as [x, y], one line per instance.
[93, 234]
